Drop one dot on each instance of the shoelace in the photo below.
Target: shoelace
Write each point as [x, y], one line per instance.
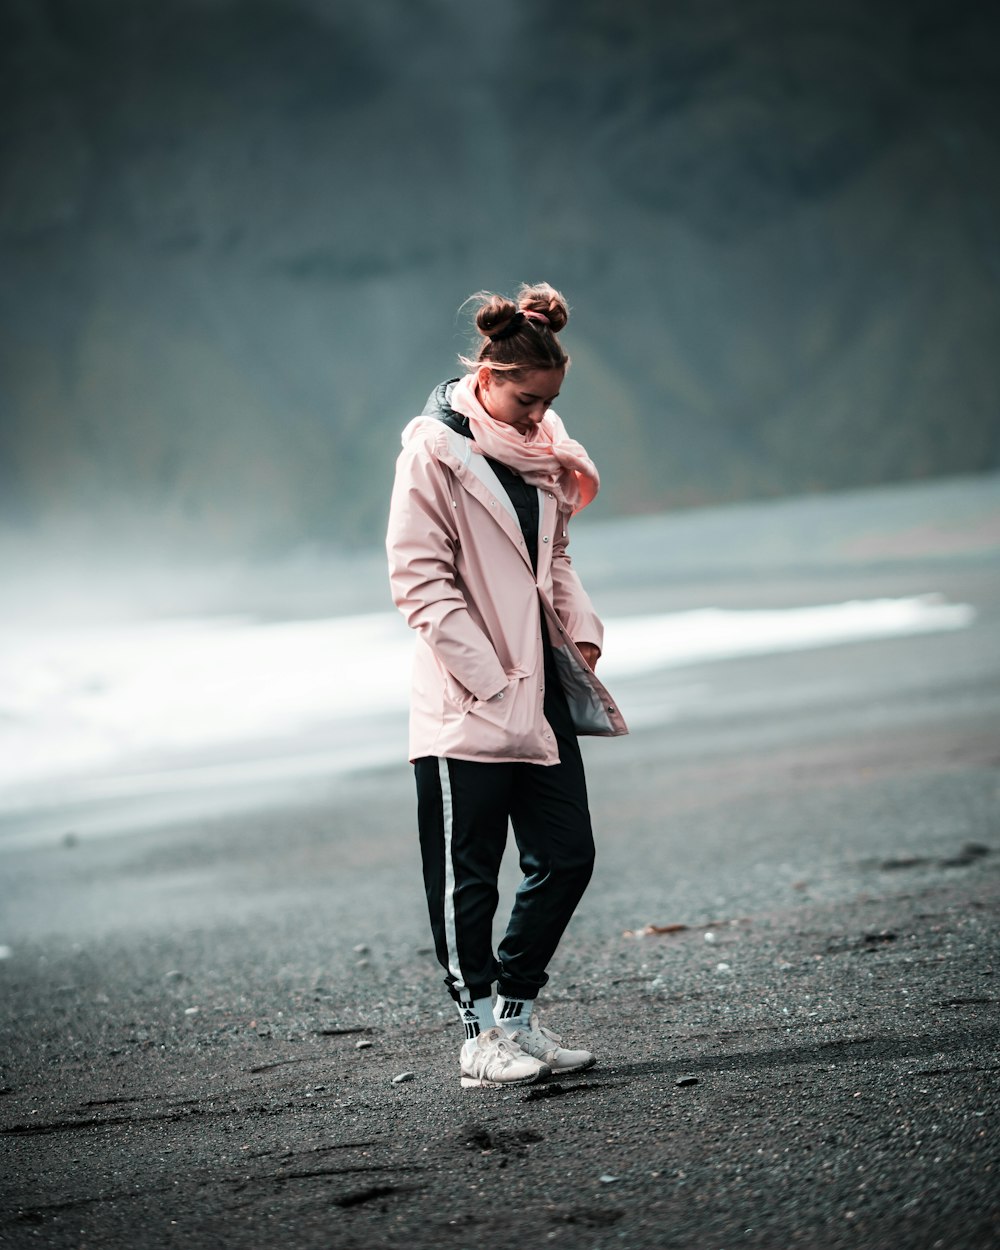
[506, 1050]
[537, 1037]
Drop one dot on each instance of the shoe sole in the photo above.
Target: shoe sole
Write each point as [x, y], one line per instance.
[483, 1082]
[579, 1067]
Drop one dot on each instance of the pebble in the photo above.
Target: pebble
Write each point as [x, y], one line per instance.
[710, 936]
[191, 1011]
[6, 952]
[361, 949]
[686, 1080]
[364, 1044]
[403, 1078]
[607, 1179]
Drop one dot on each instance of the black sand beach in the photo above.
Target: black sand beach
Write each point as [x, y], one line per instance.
[232, 1032]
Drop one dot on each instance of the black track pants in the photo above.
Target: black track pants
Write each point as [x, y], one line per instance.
[462, 811]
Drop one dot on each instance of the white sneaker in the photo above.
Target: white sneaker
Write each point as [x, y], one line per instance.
[492, 1058]
[543, 1044]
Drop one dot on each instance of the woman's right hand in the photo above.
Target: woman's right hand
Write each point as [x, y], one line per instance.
[590, 653]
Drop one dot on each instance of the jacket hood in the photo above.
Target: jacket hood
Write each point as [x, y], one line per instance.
[439, 400]
[438, 409]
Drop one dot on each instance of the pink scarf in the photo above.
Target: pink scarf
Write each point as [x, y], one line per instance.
[546, 456]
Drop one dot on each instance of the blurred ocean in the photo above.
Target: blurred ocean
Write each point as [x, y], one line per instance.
[123, 708]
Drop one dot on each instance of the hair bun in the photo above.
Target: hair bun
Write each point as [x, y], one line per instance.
[546, 300]
[495, 313]
[519, 335]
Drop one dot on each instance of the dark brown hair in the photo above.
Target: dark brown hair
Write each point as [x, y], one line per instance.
[512, 342]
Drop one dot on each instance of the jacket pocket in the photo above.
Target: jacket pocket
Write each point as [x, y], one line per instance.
[457, 699]
[498, 708]
[508, 726]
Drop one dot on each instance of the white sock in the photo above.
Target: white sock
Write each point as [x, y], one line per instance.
[477, 1015]
[514, 1013]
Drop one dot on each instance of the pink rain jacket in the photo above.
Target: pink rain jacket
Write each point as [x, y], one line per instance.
[461, 574]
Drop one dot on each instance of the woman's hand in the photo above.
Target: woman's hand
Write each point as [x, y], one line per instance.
[590, 653]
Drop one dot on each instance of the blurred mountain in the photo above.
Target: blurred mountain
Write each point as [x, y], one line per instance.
[235, 236]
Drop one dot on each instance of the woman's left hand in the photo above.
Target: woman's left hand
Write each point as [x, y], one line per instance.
[590, 653]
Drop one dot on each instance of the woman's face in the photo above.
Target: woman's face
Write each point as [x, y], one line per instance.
[520, 402]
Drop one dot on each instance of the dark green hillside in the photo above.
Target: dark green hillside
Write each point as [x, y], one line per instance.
[234, 235]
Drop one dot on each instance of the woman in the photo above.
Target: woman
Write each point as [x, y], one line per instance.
[503, 677]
